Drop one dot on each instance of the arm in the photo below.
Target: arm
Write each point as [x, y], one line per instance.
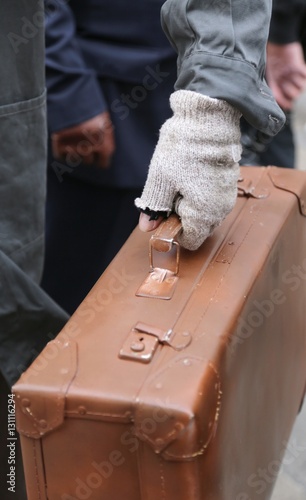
[77, 110]
[221, 62]
[221, 53]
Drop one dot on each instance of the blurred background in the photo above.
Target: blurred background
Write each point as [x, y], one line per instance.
[299, 124]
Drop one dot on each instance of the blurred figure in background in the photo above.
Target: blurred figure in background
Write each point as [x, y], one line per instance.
[110, 71]
[286, 76]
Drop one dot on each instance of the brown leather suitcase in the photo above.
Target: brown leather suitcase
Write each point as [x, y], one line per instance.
[178, 384]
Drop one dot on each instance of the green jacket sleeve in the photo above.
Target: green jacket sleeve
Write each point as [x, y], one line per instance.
[221, 50]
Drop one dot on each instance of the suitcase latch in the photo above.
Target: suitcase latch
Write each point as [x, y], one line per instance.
[246, 188]
[143, 340]
[162, 279]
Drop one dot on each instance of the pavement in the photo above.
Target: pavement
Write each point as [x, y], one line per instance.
[291, 481]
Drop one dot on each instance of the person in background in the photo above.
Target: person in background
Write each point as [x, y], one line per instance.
[286, 76]
[110, 71]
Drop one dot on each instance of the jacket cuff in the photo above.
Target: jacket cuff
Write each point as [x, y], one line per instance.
[236, 82]
[73, 103]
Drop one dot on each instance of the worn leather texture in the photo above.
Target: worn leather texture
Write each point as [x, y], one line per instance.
[190, 397]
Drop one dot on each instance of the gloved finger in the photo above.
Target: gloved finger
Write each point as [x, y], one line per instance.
[195, 230]
[200, 220]
[156, 201]
[157, 196]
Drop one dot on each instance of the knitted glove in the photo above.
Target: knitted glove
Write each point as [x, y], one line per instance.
[194, 169]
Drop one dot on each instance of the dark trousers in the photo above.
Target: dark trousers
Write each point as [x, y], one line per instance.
[86, 225]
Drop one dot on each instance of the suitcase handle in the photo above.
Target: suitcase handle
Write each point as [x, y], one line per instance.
[165, 234]
[161, 282]
[164, 239]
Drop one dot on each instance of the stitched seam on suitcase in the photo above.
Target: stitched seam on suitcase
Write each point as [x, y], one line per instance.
[171, 436]
[38, 424]
[226, 271]
[36, 470]
[190, 302]
[260, 204]
[222, 276]
[162, 478]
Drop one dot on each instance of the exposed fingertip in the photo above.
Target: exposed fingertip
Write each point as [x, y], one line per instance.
[145, 224]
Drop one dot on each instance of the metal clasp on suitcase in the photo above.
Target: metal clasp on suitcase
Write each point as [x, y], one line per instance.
[161, 281]
[143, 340]
[246, 188]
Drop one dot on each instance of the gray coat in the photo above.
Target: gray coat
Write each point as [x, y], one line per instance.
[28, 317]
[221, 53]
